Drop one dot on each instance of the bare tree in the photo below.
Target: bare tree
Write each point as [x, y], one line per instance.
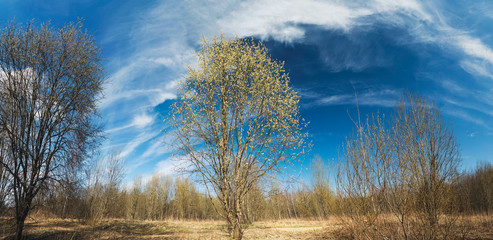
[50, 81]
[5, 179]
[235, 120]
[114, 172]
[186, 201]
[136, 201]
[254, 204]
[103, 187]
[404, 166]
[361, 178]
[158, 192]
[324, 197]
[427, 147]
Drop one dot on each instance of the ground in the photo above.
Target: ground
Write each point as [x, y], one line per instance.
[55, 228]
[173, 229]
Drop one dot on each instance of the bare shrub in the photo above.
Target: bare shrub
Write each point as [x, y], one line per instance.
[402, 169]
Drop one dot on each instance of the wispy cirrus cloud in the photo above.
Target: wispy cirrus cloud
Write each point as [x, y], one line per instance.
[284, 20]
[171, 166]
[281, 19]
[466, 116]
[165, 35]
[475, 47]
[383, 98]
[136, 142]
[478, 68]
[423, 21]
[156, 149]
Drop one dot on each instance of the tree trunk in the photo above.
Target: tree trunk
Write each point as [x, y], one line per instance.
[65, 199]
[22, 209]
[234, 218]
[237, 231]
[20, 224]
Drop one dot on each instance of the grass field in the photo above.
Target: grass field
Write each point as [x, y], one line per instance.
[477, 228]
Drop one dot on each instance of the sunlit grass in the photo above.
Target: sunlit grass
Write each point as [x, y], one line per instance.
[473, 227]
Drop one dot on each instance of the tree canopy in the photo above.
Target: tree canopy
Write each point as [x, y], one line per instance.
[50, 81]
[236, 119]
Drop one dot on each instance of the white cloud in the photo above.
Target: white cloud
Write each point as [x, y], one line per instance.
[136, 142]
[166, 167]
[385, 98]
[484, 108]
[166, 36]
[336, 100]
[283, 20]
[164, 45]
[467, 117]
[139, 121]
[142, 120]
[152, 97]
[172, 166]
[475, 47]
[453, 87]
[171, 85]
[280, 19]
[411, 7]
[163, 61]
[478, 68]
[160, 96]
[157, 148]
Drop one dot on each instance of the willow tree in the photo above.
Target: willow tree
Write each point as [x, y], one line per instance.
[236, 120]
[403, 165]
[50, 81]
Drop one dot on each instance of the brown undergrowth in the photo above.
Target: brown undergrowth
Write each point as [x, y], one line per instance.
[386, 227]
[472, 227]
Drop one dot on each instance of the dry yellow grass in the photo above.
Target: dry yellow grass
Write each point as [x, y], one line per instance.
[477, 227]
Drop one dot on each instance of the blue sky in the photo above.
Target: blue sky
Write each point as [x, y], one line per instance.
[442, 50]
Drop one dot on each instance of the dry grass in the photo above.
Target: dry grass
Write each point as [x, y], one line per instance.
[124, 229]
[477, 227]
[464, 227]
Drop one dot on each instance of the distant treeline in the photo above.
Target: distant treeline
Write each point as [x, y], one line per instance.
[164, 197]
[475, 190]
[101, 196]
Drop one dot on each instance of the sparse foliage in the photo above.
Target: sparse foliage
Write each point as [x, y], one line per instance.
[50, 81]
[404, 167]
[103, 188]
[235, 120]
[324, 198]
